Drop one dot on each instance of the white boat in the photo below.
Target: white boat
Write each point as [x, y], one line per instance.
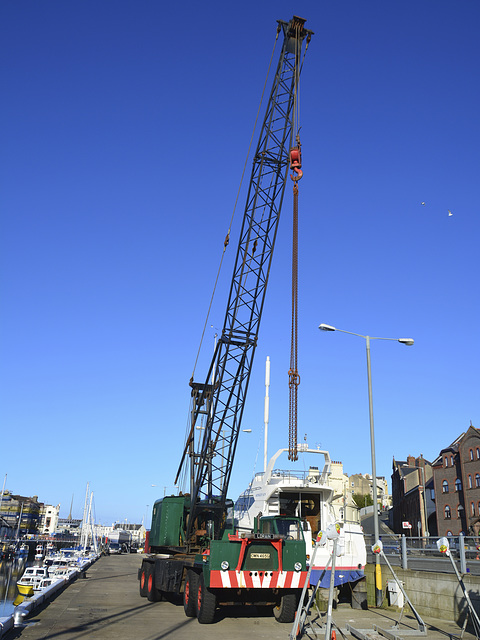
[39, 552]
[61, 572]
[33, 572]
[57, 564]
[45, 582]
[308, 496]
[32, 577]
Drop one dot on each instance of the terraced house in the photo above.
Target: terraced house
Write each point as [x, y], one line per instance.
[456, 475]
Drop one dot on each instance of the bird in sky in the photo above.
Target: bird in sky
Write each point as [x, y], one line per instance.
[449, 213]
[422, 203]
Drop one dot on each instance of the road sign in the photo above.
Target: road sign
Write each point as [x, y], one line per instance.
[406, 525]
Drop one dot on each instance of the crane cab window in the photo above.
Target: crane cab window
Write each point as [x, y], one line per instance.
[289, 528]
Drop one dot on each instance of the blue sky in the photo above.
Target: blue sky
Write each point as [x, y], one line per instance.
[125, 127]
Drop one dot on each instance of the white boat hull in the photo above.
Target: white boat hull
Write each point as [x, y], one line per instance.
[306, 495]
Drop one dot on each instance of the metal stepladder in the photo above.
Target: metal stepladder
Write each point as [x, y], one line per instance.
[301, 618]
[394, 632]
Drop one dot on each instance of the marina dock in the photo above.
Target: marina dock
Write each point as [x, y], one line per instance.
[106, 604]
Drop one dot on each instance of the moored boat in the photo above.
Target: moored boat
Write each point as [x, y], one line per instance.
[39, 552]
[308, 496]
[32, 577]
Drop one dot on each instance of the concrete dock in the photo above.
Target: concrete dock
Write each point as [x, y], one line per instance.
[106, 604]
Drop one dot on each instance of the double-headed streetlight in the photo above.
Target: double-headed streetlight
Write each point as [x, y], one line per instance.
[408, 342]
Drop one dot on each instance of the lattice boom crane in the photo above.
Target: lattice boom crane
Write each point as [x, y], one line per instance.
[193, 547]
[223, 401]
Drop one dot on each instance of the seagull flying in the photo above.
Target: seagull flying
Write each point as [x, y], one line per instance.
[422, 203]
[449, 213]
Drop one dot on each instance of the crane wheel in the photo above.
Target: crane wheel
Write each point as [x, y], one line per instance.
[206, 603]
[190, 594]
[143, 580]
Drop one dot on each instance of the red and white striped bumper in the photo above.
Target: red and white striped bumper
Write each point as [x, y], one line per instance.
[257, 579]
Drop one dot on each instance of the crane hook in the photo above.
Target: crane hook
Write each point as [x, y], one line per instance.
[296, 163]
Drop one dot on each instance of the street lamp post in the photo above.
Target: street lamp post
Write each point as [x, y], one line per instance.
[408, 342]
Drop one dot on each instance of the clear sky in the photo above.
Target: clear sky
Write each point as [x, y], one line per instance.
[124, 130]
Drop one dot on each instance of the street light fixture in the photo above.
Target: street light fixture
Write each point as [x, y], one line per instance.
[409, 342]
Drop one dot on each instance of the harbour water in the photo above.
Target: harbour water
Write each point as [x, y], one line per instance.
[10, 571]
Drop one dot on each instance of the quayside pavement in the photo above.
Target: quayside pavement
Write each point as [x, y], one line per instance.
[106, 605]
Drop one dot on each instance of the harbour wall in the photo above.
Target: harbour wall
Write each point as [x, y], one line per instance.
[433, 594]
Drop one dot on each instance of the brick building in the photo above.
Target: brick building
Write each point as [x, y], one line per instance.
[412, 485]
[456, 474]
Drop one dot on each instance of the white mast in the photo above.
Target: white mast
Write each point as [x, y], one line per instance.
[83, 538]
[266, 413]
[17, 536]
[91, 525]
[3, 491]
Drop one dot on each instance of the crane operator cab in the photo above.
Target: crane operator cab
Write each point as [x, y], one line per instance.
[287, 527]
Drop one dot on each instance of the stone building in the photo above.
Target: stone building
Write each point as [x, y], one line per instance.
[362, 484]
[21, 513]
[344, 507]
[456, 475]
[49, 519]
[412, 484]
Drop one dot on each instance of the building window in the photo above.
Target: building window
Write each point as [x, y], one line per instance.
[446, 461]
[477, 479]
[448, 513]
[478, 453]
[458, 485]
[459, 511]
[444, 486]
[470, 485]
[472, 508]
[451, 460]
[471, 454]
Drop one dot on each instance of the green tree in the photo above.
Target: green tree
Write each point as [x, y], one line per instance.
[362, 499]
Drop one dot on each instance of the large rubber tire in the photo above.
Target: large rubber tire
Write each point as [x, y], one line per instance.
[286, 610]
[190, 594]
[143, 580]
[153, 594]
[206, 603]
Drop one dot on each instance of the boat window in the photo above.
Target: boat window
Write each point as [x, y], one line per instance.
[293, 503]
[243, 504]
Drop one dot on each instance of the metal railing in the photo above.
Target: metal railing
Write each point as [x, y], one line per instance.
[406, 551]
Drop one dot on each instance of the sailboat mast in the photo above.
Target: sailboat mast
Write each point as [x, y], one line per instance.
[88, 527]
[83, 540]
[3, 491]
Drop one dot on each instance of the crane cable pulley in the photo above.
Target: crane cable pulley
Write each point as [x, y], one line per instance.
[293, 375]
